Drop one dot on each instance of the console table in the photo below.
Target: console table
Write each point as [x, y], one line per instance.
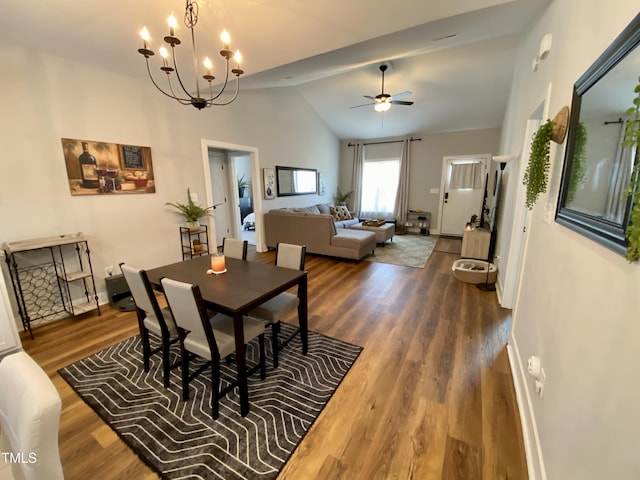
[51, 276]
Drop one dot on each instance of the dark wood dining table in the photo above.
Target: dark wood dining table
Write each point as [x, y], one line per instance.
[242, 288]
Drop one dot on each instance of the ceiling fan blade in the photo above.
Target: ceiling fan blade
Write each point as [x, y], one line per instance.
[369, 97]
[363, 105]
[401, 94]
[400, 102]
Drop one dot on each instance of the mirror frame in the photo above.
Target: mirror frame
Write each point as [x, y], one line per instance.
[294, 169]
[607, 233]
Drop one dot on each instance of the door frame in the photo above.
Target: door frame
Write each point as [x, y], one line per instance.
[255, 173]
[518, 240]
[485, 157]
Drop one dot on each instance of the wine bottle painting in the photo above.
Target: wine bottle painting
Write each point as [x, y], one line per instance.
[99, 168]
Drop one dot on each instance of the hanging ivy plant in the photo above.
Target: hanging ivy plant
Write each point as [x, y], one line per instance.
[632, 139]
[537, 174]
[578, 164]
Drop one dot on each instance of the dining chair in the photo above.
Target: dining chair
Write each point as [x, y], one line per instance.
[151, 318]
[274, 310]
[234, 248]
[30, 409]
[211, 338]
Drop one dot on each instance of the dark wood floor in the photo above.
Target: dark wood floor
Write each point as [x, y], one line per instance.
[430, 397]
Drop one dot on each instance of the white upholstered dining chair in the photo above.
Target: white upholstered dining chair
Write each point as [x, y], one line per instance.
[234, 248]
[151, 318]
[211, 338]
[275, 309]
[30, 409]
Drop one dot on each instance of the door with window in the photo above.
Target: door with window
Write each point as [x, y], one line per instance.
[463, 186]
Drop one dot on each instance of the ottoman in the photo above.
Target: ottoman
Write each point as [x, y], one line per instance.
[383, 233]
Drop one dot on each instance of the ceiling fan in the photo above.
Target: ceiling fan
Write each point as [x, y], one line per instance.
[383, 101]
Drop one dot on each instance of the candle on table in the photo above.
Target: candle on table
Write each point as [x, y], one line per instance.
[217, 262]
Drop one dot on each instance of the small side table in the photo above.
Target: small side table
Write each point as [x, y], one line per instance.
[475, 244]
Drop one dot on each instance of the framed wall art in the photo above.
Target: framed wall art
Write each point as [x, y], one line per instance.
[322, 188]
[97, 168]
[269, 175]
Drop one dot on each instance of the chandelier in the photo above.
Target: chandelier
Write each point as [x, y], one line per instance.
[169, 66]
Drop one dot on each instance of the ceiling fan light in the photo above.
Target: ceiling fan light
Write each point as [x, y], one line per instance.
[382, 106]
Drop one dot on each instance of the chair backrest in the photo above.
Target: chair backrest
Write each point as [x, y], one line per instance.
[141, 291]
[188, 310]
[143, 295]
[234, 248]
[290, 256]
[30, 409]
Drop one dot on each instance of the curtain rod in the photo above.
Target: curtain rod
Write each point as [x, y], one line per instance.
[613, 121]
[390, 141]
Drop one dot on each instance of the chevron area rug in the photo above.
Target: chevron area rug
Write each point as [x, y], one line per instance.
[179, 439]
[405, 250]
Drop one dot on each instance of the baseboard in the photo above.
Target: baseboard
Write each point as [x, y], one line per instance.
[532, 447]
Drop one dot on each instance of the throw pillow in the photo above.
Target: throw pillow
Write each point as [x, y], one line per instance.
[345, 213]
[324, 208]
[340, 213]
[335, 213]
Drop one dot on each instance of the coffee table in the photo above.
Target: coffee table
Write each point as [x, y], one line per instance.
[383, 233]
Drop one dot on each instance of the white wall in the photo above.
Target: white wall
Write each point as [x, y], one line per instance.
[45, 98]
[426, 163]
[577, 307]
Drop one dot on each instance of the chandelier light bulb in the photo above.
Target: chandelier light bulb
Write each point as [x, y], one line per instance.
[164, 53]
[226, 38]
[208, 65]
[238, 57]
[144, 34]
[173, 23]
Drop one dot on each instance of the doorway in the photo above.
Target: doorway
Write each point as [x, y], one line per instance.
[245, 214]
[521, 218]
[221, 182]
[462, 186]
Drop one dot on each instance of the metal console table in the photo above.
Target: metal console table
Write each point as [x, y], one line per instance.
[47, 277]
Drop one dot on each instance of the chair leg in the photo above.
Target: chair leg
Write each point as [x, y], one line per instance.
[146, 348]
[215, 389]
[263, 363]
[185, 372]
[166, 368]
[275, 330]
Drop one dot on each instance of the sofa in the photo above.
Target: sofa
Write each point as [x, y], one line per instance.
[322, 233]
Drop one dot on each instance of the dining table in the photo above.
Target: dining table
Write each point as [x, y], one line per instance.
[244, 286]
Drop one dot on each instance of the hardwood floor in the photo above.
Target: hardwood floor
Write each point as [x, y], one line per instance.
[430, 397]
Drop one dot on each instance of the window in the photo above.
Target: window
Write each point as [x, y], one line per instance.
[379, 187]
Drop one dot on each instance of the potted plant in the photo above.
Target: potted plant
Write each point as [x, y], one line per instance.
[537, 173]
[242, 185]
[191, 212]
[632, 139]
[342, 198]
[474, 220]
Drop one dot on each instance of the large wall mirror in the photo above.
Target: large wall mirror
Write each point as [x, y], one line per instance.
[296, 181]
[597, 168]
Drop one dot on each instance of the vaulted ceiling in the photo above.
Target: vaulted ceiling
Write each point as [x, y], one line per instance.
[456, 57]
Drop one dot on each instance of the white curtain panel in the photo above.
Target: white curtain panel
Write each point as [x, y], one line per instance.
[356, 177]
[466, 175]
[402, 197]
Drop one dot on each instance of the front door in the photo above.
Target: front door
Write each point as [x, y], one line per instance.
[463, 181]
